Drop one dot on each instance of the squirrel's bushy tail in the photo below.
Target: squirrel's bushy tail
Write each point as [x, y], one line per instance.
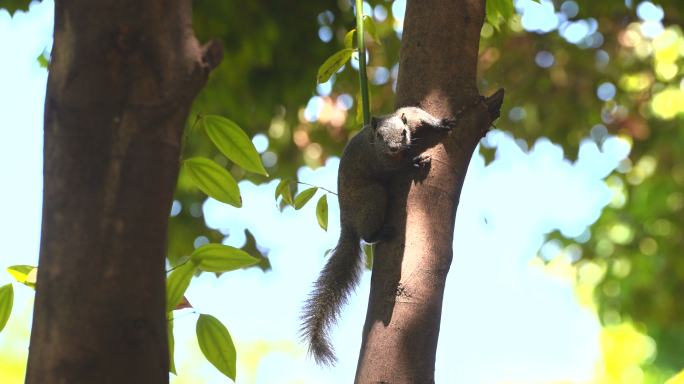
[338, 279]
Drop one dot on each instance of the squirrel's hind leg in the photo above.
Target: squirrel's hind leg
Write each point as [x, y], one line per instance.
[385, 233]
[371, 202]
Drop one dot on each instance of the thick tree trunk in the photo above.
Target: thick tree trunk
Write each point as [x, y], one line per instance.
[122, 78]
[437, 73]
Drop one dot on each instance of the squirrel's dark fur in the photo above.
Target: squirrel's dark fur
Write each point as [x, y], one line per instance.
[371, 156]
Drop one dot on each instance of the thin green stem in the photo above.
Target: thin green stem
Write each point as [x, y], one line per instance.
[178, 266]
[363, 79]
[316, 186]
[185, 314]
[184, 140]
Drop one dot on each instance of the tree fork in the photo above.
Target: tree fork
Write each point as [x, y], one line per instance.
[438, 68]
[122, 78]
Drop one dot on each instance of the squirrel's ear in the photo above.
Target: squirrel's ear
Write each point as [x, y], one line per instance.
[404, 119]
[374, 122]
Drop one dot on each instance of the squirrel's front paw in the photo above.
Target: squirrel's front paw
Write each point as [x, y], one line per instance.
[422, 160]
[449, 123]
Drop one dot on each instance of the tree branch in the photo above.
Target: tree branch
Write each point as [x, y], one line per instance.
[211, 56]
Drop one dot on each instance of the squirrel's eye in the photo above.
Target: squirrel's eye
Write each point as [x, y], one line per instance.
[403, 133]
[378, 134]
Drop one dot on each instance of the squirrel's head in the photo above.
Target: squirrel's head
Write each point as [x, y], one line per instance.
[391, 133]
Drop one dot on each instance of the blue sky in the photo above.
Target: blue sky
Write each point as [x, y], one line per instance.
[503, 321]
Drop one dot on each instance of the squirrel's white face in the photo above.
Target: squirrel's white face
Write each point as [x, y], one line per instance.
[391, 133]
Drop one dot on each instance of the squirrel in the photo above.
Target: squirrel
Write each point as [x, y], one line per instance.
[378, 151]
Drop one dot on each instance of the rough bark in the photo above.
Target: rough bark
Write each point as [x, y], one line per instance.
[122, 78]
[437, 73]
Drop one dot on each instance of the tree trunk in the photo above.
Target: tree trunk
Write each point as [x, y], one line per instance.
[122, 78]
[437, 73]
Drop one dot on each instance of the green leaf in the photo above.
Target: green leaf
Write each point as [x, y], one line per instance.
[283, 189]
[322, 212]
[492, 14]
[494, 8]
[349, 39]
[20, 272]
[221, 258]
[169, 330]
[281, 186]
[213, 180]
[24, 275]
[217, 345]
[177, 282]
[304, 197]
[234, 143]
[6, 301]
[370, 28]
[15, 5]
[506, 8]
[333, 64]
[287, 196]
[43, 61]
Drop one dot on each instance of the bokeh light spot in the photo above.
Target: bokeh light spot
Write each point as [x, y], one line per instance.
[200, 241]
[606, 91]
[326, 18]
[648, 11]
[380, 13]
[269, 159]
[196, 210]
[260, 142]
[544, 59]
[569, 9]
[380, 76]
[325, 33]
[648, 246]
[345, 102]
[517, 114]
[176, 208]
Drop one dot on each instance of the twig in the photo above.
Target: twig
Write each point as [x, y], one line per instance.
[184, 140]
[185, 314]
[311, 185]
[179, 265]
